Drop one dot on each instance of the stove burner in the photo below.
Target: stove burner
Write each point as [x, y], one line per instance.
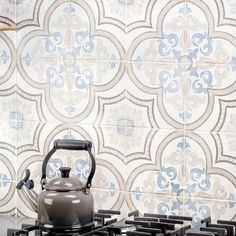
[106, 224]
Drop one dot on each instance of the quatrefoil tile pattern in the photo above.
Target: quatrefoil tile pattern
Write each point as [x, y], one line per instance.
[151, 83]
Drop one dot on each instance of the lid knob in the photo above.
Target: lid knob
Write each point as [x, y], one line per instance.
[65, 172]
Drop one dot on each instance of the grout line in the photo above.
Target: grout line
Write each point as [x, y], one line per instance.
[160, 62]
[163, 195]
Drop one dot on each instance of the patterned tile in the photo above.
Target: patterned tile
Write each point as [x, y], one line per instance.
[34, 104]
[227, 11]
[8, 11]
[69, 33]
[54, 80]
[70, 86]
[8, 197]
[150, 83]
[212, 110]
[8, 164]
[161, 170]
[139, 14]
[202, 208]
[110, 141]
[107, 199]
[168, 43]
[97, 91]
[154, 203]
[7, 57]
[106, 104]
[223, 13]
[208, 174]
[27, 13]
[32, 155]
[8, 102]
[164, 89]
[20, 13]
[28, 108]
[212, 67]
[8, 136]
[224, 113]
[226, 157]
[112, 12]
[28, 134]
[111, 110]
[107, 176]
[138, 142]
[205, 44]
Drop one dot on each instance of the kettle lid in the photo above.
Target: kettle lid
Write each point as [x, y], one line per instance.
[64, 183]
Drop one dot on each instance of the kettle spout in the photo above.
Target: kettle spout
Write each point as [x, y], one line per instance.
[27, 185]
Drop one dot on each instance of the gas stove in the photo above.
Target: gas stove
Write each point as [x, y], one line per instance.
[106, 223]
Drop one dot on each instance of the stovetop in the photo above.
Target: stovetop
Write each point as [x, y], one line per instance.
[107, 224]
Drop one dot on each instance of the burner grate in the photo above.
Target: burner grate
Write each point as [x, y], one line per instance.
[136, 225]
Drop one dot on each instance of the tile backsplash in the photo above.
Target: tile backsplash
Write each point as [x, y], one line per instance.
[152, 83]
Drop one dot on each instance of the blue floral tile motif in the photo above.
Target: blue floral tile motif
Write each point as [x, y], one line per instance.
[4, 180]
[69, 59]
[201, 45]
[183, 190]
[16, 120]
[7, 54]
[125, 126]
[233, 63]
[167, 176]
[104, 180]
[232, 199]
[83, 43]
[184, 62]
[82, 169]
[69, 135]
[4, 57]
[52, 168]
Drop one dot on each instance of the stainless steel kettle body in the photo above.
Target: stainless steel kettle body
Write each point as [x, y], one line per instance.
[65, 203]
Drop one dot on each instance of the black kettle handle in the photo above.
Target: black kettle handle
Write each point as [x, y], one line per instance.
[70, 144]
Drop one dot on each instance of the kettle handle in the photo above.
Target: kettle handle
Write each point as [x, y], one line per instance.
[70, 144]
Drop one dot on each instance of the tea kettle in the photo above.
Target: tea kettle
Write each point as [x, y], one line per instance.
[65, 203]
